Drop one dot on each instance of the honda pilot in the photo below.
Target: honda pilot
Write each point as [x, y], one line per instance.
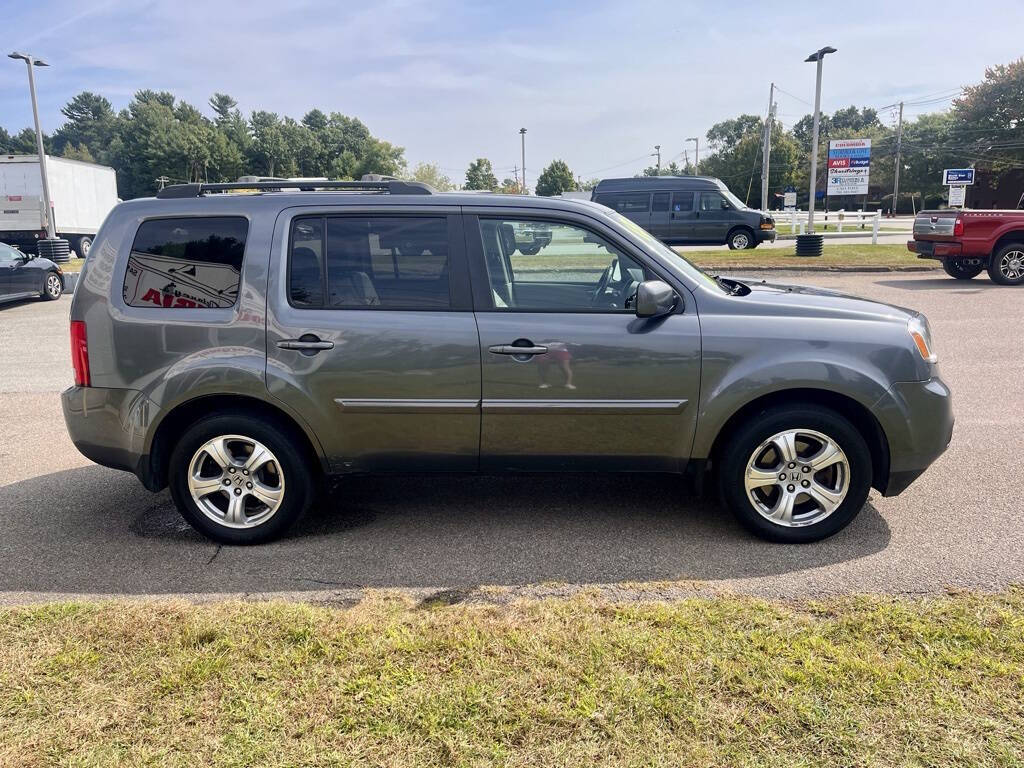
[240, 348]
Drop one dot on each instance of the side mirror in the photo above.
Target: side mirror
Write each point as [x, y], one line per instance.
[654, 298]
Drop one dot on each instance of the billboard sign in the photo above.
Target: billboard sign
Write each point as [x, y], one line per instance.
[952, 176]
[849, 166]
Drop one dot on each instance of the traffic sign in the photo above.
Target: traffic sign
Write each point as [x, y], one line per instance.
[952, 176]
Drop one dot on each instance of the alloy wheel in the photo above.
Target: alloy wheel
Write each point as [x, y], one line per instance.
[1011, 265]
[236, 481]
[797, 477]
[53, 286]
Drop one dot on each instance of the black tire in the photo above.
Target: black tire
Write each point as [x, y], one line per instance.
[297, 478]
[1006, 267]
[53, 287]
[82, 246]
[529, 250]
[740, 239]
[961, 271]
[743, 443]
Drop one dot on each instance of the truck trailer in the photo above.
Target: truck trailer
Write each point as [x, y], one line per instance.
[81, 195]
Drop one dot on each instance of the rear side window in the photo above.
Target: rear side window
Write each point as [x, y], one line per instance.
[377, 262]
[186, 263]
[625, 202]
[660, 202]
[682, 201]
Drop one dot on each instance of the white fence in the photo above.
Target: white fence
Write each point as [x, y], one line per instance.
[830, 224]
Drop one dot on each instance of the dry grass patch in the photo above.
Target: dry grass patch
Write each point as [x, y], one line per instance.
[870, 681]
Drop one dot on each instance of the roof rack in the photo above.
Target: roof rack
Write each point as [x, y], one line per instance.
[391, 187]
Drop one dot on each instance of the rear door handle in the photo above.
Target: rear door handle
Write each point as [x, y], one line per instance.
[511, 349]
[305, 344]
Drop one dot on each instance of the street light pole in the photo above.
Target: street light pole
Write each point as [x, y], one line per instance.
[696, 152]
[30, 62]
[818, 56]
[522, 136]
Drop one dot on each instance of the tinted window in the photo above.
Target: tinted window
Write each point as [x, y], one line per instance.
[369, 262]
[712, 201]
[186, 263]
[547, 267]
[682, 201]
[660, 202]
[625, 202]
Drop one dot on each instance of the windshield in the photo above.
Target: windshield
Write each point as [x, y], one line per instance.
[663, 250]
[736, 202]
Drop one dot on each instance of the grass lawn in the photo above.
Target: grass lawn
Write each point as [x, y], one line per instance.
[839, 255]
[727, 682]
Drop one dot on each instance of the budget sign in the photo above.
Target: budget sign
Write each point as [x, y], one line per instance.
[849, 166]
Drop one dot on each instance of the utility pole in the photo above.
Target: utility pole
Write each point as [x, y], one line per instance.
[31, 62]
[522, 136]
[657, 153]
[818, 56]
[896, 176]
[686, 158]
[696, 151]
[161, 180]
[767, 147]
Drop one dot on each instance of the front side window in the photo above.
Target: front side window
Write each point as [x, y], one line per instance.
[544, 266]
[8, 254]
[186, 263]
[713, 201]
[375, 262]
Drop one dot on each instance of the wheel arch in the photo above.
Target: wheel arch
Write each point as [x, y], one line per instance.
[1013, 236]
[178, 419]
[855, 412]
[747, 228]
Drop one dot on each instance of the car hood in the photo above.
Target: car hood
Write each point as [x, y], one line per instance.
[810, 301]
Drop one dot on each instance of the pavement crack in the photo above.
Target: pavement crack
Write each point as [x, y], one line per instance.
[214, 555]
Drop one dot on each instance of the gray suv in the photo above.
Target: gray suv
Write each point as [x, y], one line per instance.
[239, 348]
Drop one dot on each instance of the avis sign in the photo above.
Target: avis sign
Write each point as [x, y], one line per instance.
[849, 166]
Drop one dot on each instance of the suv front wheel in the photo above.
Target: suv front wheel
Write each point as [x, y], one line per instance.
[239, 480]
[795, 474]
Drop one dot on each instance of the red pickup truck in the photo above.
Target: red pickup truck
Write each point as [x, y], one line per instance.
[968, 241]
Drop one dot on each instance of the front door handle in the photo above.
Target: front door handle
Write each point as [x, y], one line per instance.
[512, 349]
[306, 343]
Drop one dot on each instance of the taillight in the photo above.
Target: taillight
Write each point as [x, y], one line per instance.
[958, 226]
[80, 354]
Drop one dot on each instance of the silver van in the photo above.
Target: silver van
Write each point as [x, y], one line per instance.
[239, 348]
[686, 210]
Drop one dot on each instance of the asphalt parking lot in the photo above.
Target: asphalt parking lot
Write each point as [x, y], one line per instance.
[68, 527]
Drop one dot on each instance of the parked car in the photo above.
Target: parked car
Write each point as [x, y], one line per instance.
[681, 210]
[968, 241]
[25, 277]
[239, 348]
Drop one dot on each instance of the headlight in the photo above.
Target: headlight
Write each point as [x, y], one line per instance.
[919, 331]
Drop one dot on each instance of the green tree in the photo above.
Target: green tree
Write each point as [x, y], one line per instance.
[78, 152]
[480, 175]
[429, 173]
[269, 151]
[90, 126]
[555, 179]
[510, 187]
[988, 120]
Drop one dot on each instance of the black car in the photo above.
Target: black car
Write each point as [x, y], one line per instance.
[26, 277]
[682, 210]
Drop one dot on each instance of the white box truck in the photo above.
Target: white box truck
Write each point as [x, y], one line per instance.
[81, 194]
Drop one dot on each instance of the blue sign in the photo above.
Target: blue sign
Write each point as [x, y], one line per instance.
[957, 176]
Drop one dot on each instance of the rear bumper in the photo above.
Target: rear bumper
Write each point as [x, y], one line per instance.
[917, 418]
[929, 249]
[109, 426]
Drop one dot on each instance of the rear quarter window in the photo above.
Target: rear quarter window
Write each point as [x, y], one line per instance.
[186, 263]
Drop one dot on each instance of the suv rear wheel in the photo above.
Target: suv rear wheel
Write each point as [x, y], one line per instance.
[795, 474]
[1007, 265]
[961, 270]
[239, 480]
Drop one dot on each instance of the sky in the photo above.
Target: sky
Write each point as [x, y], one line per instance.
[595, 83]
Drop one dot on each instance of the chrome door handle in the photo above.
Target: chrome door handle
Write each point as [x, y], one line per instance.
[511, 349]
[305, 345]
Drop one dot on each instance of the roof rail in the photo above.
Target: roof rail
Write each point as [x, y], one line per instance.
[393, 187]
